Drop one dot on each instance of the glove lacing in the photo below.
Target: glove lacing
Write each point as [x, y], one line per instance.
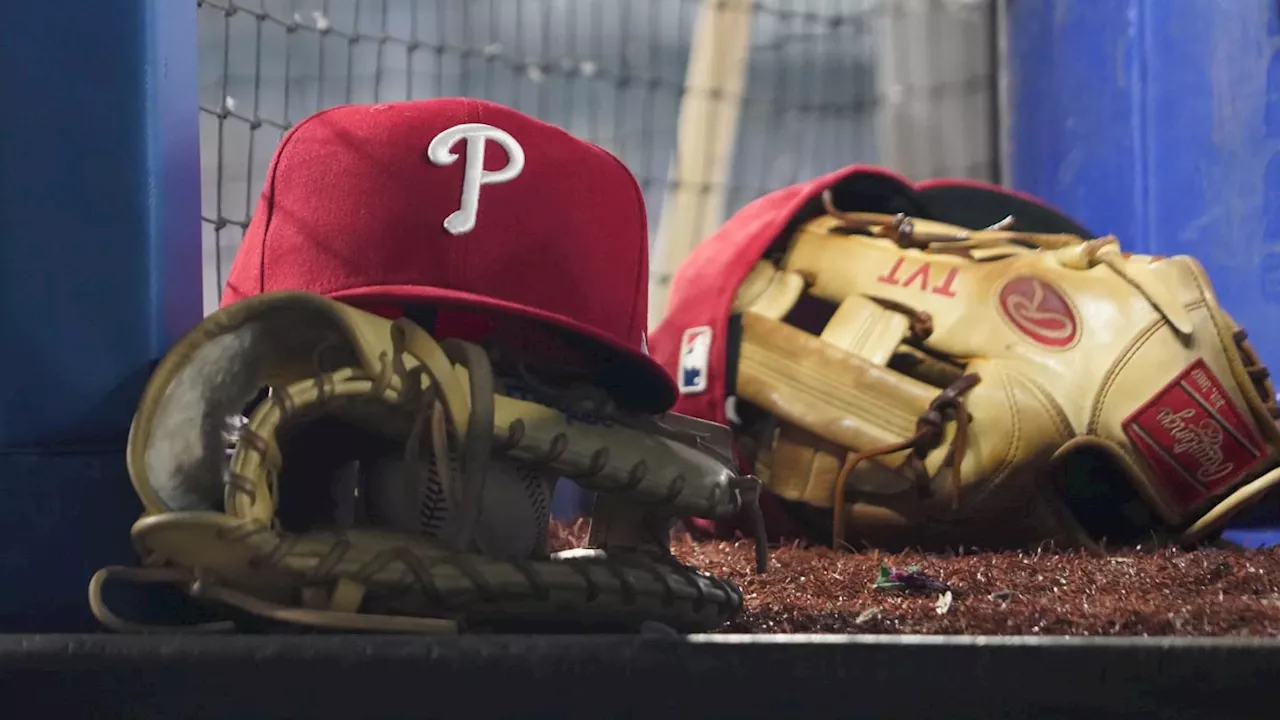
[594, 401]
[1258, 373]
[928, 436]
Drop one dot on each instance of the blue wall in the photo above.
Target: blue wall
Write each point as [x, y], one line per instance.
[1159, 121]
[100, 271]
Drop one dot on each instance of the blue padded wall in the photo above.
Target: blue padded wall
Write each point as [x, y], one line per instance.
[100, 271]
[1159, 122]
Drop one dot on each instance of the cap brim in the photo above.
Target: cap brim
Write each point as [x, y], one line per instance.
[634, 380]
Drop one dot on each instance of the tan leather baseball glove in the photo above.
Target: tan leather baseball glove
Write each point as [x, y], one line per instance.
[924, 385]
[381, 480]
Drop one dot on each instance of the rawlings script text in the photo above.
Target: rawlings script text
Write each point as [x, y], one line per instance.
[1200, 440]
[1195, 439]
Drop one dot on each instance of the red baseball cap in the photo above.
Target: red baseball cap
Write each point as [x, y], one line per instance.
[693, 342]
[500, 222]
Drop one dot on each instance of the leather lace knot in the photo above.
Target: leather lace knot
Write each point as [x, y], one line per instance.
[929, 434]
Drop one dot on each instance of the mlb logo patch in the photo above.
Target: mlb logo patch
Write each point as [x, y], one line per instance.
[695, 357]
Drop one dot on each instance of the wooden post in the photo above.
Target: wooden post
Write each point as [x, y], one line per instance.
[705, 138]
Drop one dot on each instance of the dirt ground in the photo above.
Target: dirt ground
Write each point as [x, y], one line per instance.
[1207, 592]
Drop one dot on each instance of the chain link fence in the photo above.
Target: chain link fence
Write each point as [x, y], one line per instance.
[909, 84]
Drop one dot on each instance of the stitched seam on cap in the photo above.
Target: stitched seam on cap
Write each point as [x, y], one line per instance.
[271, 196]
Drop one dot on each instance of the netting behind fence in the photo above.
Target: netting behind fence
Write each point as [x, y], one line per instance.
[904, 83]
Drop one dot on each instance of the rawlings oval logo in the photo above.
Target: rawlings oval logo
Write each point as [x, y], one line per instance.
[1037, 310]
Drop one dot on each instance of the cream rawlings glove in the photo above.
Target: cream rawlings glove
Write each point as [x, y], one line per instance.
[925, 385]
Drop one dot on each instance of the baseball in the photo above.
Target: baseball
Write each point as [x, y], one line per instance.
[515, 511]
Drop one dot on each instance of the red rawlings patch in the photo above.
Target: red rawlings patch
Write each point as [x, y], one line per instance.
[1037, 310]
[1194, 438]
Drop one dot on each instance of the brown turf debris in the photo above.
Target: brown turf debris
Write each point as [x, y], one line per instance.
[1207, 592]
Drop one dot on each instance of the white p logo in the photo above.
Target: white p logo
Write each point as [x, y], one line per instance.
[440, 152]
